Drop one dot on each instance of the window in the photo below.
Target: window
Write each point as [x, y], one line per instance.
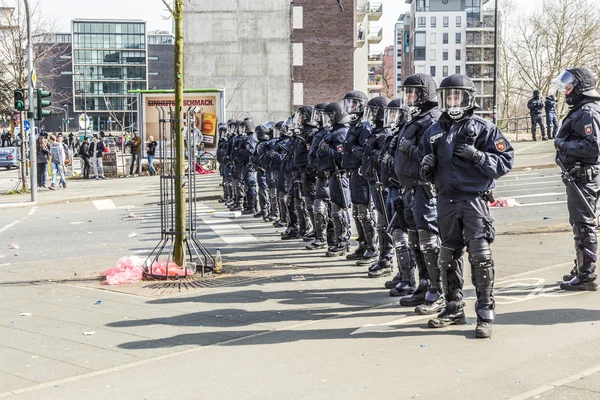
[445, 70]
[458, 38]
[457, 69]
[445, 38]
[420, 39]
[421, 21]
[445, 55]
[433, 22]
[458, 21]
[432, 55]
[432, 38]
[446, 22]
[432, 70]
[457, 56]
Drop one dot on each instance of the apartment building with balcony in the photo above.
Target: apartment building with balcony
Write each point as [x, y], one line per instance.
[446, 37]
[367, 61]
[402, 53]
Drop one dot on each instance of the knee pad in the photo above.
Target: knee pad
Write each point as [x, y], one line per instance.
[446, 257]
[321, 207]
[413, 240]
[480, 253]
[428, 241]
[337, 211]
[400, 238]
[355, 211]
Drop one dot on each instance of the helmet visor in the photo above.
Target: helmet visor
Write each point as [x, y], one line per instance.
[370, 115]
[354, 106]
[411, 96]
[391, 117]
[297, 121]
[316, 117]
[450, 98]
[563, 82]
[328, 119]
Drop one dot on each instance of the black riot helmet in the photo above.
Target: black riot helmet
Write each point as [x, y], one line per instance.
[277, 129]
[261, 133]
[302, 117]
[247, 126]
[354, 104]
[222, 127]
[417, 90]
[579, 82]
[268, 128]
[335, 114]
[536, 94]
[396, 114]
[316, 119]
[375, 110]
[231, 126]
[456, 95]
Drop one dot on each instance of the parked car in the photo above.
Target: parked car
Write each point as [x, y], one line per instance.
[10, 157]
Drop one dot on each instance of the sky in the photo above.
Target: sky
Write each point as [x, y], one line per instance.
[153, 11]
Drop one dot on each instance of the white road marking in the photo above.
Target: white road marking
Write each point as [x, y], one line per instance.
[541, 204]
[9, 226]
[104, 204]
[76, 222]
[538, 195]
[229, 232]
[32, 211]
[122, 207]
[5, 264]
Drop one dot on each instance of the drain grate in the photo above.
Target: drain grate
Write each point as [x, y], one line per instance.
[161, 288]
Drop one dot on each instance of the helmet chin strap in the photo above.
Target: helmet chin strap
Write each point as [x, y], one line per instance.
[456, 113]
[414, 111]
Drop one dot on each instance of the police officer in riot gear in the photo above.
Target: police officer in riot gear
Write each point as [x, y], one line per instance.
[277, 155]
[259, 161]
[371, 169]
[292, 182]
[330, 156]
[578, 149]
[323, 225]
[224, 167]
[273, 212]
[304, 177]
[244, 154]
[362, 207]
[551, 119]
[536, 105]
[239, 194]
[419, 203]
[396, 115]
[464, 155]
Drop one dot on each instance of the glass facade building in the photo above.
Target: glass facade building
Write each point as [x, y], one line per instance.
[109, 58]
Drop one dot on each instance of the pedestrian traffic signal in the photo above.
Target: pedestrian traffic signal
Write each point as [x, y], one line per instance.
[20, 99]
[40, 112]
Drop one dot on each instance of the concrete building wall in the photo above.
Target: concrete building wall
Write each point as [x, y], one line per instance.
[243, 46]
[160, 66]
[323, 51]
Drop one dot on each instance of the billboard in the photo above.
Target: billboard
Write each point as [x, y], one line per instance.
[209, 106]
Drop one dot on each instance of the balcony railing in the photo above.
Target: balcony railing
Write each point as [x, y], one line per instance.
[376, 57]
[375, 35]
[375, 11]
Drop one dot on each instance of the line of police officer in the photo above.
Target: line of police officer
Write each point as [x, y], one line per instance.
[416, 174]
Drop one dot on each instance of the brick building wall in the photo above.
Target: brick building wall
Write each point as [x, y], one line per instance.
[161, 59]
[323, 39]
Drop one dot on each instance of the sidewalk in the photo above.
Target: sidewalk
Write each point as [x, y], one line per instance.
[534, 155]
[88, 190]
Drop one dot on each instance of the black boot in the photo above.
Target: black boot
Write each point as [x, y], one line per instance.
[291, 234]
[358, 253]
[451, 315]
[402, 289]
[572, 274]
[279, 224]
[381, 268]
[395, 280]
[434, 303]
[369, 257]
[309, 236]
[580, 283]
[338, 250]
[418, 297]
[316, 244]
[483, 330]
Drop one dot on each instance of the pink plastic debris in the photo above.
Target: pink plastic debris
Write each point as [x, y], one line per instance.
[160, 269]
[125, 271]
[200, 169]
[504, 202]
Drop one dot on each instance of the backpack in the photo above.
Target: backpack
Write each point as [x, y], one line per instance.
[55, 152]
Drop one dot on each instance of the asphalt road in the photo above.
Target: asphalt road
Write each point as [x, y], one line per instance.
[334, 334]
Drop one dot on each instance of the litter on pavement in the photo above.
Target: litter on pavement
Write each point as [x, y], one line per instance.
[504, 202]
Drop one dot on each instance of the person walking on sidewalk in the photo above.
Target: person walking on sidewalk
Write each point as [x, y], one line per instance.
[578, 150]
[150, 151]
[96, 151]
[135, 145]
[57, 152]
[42, 161]
[84, 152]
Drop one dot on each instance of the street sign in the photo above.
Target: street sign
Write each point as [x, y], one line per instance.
[84, 123]
[27, 125]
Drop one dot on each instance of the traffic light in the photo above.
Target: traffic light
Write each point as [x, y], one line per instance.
[39, 110]
[20, 99]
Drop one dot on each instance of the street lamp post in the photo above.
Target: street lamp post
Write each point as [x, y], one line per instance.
[495, 116]
[67, 123]
[31, 111]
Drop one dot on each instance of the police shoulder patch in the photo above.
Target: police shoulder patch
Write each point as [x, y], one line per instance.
[588, 129]
[247, 147]
[307, 146]
[340, 148]
[436, 137]
[500, 146]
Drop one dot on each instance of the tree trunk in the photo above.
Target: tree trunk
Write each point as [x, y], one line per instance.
[23, 157]
[180, 206]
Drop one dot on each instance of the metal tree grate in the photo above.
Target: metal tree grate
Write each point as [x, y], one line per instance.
[197, 259]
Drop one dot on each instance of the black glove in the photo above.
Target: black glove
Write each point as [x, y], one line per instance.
[406, 145]
[388, 160]
[324, 146]
[468, 152]
[560, 144]
[428, 164]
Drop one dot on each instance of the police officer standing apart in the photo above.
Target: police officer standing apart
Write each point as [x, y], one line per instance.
[224, 168]
[578, 149]
[419, 93]
[536, 105]
[330, 157]
[464, 155]
[362, 209]
[551, 119]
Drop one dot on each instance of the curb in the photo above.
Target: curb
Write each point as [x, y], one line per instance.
[531, 167]
[560, 228]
